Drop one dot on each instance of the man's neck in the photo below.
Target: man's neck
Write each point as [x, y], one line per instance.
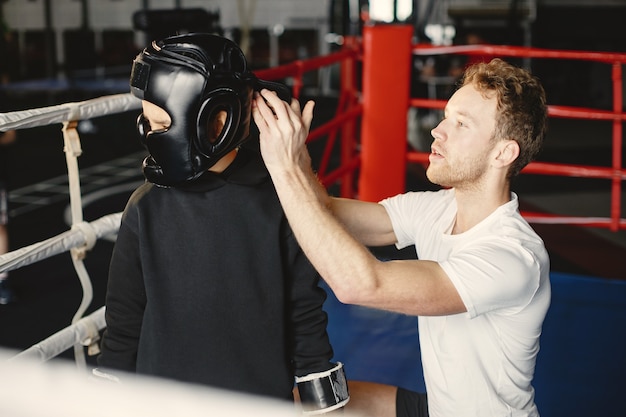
[476, 205]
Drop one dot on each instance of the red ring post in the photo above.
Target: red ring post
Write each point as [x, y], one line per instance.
[387, 51]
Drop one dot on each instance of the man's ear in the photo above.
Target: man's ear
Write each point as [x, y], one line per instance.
[216, 124]
[507, 153]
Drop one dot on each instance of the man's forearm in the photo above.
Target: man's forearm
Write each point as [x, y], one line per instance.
[327, 228]
[313, 180]
[343, 263]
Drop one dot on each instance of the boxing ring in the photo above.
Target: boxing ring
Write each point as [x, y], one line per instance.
[366, 167]
[82, 235]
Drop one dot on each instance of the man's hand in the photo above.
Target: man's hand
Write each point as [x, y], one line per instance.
[283, 130]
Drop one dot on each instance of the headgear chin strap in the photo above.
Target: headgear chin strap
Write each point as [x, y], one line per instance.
[193, 77]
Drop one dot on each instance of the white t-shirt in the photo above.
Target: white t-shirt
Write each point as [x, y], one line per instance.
[478, 363]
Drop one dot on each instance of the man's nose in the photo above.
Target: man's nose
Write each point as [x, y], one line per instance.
[437, 131]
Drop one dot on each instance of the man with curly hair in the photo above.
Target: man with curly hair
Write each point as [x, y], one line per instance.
[480, 286]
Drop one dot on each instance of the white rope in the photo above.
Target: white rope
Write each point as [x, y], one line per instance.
[85, 282]
[84, 332]
[57, 389]
[72, 151]
[76, 237]
[81, 238]
[88, 232]
[101, 106]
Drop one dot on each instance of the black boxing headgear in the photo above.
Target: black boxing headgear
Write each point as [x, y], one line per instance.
[193, 77]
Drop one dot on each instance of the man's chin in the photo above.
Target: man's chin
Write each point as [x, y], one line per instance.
[434, 178]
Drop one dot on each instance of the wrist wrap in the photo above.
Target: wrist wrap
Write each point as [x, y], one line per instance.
[323, 392]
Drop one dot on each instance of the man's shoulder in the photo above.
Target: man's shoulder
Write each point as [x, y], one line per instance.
[422, 200]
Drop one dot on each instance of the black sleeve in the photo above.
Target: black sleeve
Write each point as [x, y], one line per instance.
[125, 300]
[312, 350]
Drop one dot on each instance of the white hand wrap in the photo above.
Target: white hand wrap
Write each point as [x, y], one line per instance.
[323, 392]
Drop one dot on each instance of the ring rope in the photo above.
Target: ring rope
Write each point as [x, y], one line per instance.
[84, 332]
[88, 109]
[72, 151]
[82, 236]
[104, 226]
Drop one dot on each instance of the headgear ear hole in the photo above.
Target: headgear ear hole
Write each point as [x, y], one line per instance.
[222, 100]
[216, 123]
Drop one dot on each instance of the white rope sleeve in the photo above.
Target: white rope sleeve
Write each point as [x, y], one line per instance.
[61, 243]
[101, 106]
[84, 332]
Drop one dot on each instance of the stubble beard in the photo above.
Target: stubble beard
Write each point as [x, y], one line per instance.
[467, 173]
